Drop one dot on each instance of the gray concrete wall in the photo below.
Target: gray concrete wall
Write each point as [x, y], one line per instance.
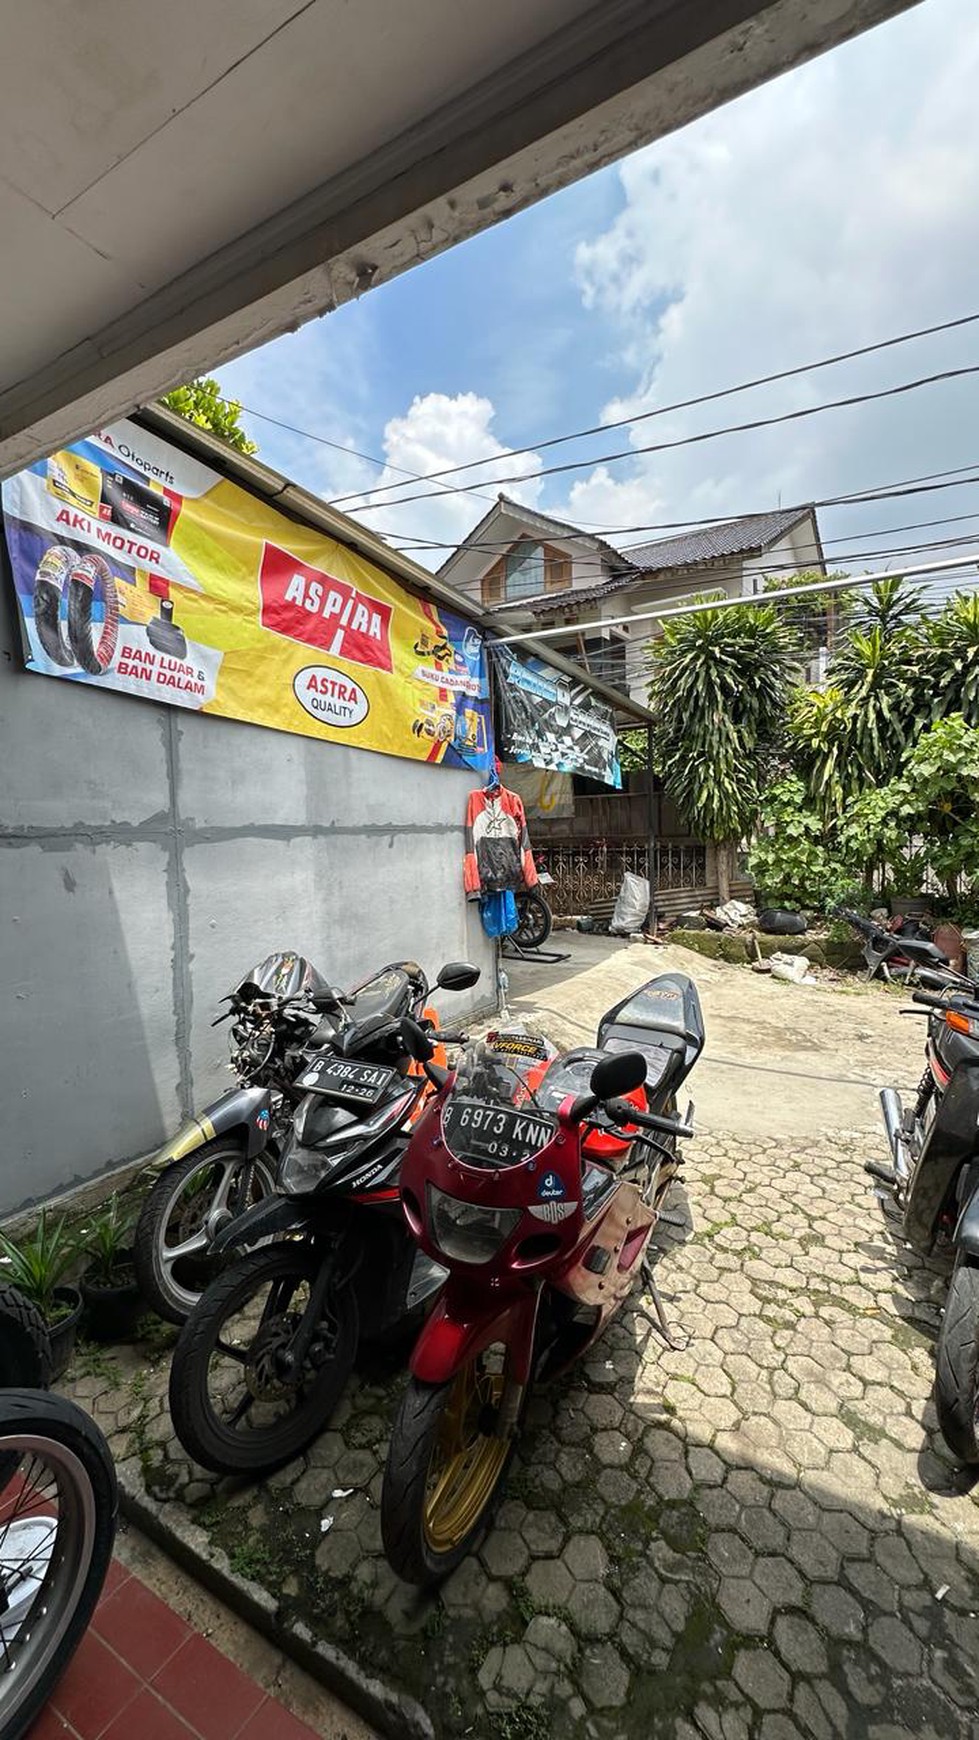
[148, 857]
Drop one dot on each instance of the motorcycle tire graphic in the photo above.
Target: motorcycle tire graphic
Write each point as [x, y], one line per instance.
[49, 583]
[94, 656]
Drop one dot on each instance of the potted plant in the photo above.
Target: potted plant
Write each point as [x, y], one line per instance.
[108, 1282]
[37, 1265]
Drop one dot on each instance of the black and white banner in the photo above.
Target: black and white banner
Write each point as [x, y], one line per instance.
[549, 720]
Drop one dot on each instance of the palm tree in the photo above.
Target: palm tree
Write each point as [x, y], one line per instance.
[719, 692]
[949, 659]
[856, 732]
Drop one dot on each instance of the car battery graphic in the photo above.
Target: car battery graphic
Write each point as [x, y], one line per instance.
[140, 507]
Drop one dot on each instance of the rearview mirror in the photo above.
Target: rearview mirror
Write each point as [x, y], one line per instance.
[457, 976]
[416, 1041]
[618, 1074]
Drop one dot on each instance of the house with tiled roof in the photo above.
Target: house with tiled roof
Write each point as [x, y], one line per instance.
[540, 572]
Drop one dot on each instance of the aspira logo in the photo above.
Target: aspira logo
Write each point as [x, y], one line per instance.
[311, 606]
[330, 696]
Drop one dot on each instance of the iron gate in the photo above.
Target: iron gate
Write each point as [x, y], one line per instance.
[587, 872]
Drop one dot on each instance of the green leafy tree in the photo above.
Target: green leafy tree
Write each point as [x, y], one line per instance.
[941, 786]
[201, 403]
[719, 693]
[890, 605]
[821, 749]
[793, 862]
[856, 732]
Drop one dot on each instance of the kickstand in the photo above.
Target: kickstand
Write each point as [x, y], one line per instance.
[657, 1317]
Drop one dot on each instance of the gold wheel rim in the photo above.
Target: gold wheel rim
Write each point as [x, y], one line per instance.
[466, 1463]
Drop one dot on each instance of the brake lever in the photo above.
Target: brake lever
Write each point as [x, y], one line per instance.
[225, 1017]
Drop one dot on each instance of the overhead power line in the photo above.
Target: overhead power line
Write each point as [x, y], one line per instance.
[826, 544]
[894, 491]
[705, 434]
[775, 596]
[353, 453]
[687, 404]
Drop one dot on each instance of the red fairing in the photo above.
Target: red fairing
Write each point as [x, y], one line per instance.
[459, 1329]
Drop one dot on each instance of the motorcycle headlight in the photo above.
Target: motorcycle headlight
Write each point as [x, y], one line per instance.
[468, 1232]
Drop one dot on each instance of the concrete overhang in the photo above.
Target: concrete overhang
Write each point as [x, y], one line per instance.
[183, 182]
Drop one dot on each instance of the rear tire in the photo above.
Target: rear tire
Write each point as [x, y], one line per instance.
[957, 1364]
[535, 923]
[421, 1544]
[55, 1460]
[217, 1443]
[174, 1290]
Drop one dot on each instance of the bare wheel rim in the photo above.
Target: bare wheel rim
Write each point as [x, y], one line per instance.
[466, 1461]
[198, 1212]
[47, 1538]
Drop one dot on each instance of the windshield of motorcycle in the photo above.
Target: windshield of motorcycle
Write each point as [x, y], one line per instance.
[491, 1117]
[278, 976]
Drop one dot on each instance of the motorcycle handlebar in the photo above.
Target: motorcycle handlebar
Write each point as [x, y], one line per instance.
[928, 1001]
[624, 1112]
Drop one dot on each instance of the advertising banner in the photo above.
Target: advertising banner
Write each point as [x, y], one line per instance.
[548, 719]
[138, 569]
[546, 797]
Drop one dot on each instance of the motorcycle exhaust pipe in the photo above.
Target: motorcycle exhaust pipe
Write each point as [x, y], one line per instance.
[892, 1113]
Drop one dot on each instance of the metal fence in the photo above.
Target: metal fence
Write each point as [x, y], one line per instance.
[588, 871]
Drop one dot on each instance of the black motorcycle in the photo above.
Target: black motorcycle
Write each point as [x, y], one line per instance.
[223, 1160]
[934, 1178]
[263, 1360]
[898, 953]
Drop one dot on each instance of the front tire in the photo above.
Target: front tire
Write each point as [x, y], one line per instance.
[957, 1364]
[445, 1472]
[235, 1408]
[190, 1201]
[57, 1526]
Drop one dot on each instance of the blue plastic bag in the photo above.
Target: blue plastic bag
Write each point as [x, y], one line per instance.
[499, 913]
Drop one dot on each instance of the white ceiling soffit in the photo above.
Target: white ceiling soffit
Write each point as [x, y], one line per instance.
[180, 183]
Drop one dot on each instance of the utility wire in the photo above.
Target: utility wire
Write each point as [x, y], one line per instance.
[885, 492]
[704, 435]
[355, 453]
[851, 537]
[687, 404]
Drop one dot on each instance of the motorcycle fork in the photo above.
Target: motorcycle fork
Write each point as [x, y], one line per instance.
[303, 1339]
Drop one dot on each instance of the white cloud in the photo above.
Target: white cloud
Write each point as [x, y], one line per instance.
[829, 209]
[437, 431]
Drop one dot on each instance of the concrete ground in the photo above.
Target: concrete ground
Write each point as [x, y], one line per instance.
[780, 1060]
[756, 1536]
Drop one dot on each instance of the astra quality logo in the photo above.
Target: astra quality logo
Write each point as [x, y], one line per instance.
[330, 696]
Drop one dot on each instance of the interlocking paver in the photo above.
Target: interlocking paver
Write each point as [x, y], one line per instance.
[762, 1526]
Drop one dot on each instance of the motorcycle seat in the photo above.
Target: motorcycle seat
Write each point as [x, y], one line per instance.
[924, 953]
[571, 1073]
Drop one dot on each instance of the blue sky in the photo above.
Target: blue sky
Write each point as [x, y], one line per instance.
[833, 207]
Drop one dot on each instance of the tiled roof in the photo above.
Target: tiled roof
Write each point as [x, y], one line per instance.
[744, 537]
[713, 543]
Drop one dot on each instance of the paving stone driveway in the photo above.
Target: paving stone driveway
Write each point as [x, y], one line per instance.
[759, 1535]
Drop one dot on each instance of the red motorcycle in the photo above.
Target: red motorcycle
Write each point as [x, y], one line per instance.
[537, 1181]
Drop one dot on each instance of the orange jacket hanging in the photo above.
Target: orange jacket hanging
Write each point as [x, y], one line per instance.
[498, 854]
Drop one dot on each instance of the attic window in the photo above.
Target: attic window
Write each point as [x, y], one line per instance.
[524, 570]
